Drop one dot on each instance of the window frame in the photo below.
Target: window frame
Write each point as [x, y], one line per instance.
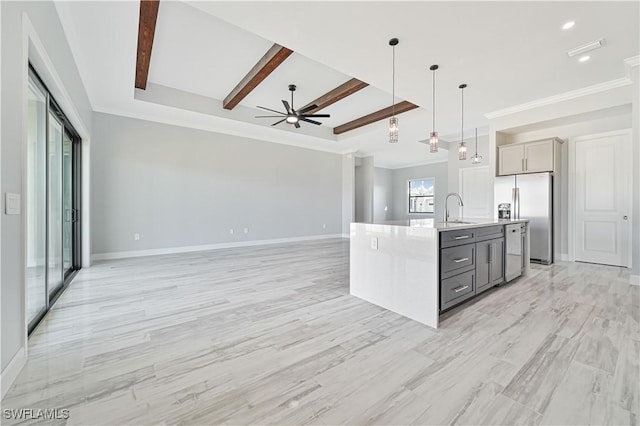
[409, 196]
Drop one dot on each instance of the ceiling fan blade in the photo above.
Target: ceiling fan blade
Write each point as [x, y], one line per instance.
[307, 108]
[272, 110]
[316, 115]
[278, 122]
[286, 106]
[267, 116]
[310, 121]
[297, 124]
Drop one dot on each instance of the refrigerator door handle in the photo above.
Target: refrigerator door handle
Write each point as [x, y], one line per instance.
[513, 203]
[518, 202]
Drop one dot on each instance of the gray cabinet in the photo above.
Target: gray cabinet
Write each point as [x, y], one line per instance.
[471, 261]
[489, 264]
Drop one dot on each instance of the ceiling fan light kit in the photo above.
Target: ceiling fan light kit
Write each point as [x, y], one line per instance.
[433, 138]
[291, 116]
[393, 121]
[462, 147]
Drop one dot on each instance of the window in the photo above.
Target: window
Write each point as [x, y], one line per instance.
[421, 195]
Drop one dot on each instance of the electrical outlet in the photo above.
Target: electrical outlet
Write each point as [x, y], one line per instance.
[246, 230]
[231, 231]
[324, 226]
[374, 243]
[136, 236]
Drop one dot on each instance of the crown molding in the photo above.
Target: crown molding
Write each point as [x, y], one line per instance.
[562, 97]
[421, 163]
[633, 61]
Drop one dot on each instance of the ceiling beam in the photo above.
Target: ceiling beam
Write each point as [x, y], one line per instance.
[269, 62]
[399, 108]
[340, 92]
[146, 31]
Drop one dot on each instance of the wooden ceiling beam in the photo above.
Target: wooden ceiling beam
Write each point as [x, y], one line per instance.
[146, 32]
[399, 108]
[340, 92]
[269, 62]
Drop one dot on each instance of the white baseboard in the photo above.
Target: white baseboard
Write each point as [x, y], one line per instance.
[10, 373]
[347, 236]
[204, 247]
[563, 257]
[634, 279]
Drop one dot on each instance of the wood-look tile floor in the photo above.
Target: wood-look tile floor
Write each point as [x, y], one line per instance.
[270, 335]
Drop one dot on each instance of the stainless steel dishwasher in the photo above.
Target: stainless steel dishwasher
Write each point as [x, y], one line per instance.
[513, 259]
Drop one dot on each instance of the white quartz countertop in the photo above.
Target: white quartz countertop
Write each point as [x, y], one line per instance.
[441, 226]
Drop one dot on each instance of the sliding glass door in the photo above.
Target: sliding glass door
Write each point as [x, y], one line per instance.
[53, 253]
[36, 217]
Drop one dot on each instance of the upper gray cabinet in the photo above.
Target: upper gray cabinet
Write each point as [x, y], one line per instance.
[529, 157]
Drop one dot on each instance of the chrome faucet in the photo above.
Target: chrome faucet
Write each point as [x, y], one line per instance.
[446, 207]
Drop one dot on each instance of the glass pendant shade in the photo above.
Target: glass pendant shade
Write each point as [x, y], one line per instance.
[433, 139]
[462, 146]
[393, 130]
[462, 151]
[476, 159]
[433, 142]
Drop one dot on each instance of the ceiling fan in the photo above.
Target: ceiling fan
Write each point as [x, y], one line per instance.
[292, 116]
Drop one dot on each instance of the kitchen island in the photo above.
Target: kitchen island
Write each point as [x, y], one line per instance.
[418, 268]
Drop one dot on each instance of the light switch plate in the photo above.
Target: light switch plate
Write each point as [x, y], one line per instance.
[11, 203]
[374, 243]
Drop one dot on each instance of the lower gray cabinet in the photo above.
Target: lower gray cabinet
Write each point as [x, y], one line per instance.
[457, 289]
[489, 264]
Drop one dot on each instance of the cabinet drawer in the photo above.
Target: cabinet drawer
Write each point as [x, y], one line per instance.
[456, 238]
[454, 260]
[457, 289]
[489, 233]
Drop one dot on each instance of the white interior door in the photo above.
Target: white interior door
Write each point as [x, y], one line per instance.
[602, 199]
[476, 191]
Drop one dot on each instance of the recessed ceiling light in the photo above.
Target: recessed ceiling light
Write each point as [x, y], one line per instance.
[568, 25]
[584, 58]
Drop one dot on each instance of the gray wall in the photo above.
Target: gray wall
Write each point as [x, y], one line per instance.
[400, 191]
[635, 141]
[348, 192]
[47, 25]
[382, 194]
[183, 187]
[364, 189]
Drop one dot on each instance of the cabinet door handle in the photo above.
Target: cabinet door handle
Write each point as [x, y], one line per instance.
[462, 237]
[462, 259]
[459, 289]
[522, 164]
[490, 253]
[526, 166]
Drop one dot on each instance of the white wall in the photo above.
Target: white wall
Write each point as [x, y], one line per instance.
[382, 194]
[348, 192]
[180, 187]
[455, 165]
[569, 132]
[400, 189]
[30, 30]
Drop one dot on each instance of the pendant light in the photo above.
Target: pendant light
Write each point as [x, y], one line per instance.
[462, 147]
[433, 139]
[476, 159]
[393, 121]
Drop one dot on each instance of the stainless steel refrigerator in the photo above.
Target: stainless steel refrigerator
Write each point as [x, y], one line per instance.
[531, 197]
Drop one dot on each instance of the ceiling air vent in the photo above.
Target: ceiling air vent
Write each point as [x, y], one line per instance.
[586, 48]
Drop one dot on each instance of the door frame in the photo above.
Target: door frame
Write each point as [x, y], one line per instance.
[571, 219]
